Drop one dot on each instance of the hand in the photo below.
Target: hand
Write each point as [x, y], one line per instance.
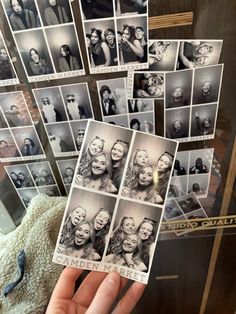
[96, 294]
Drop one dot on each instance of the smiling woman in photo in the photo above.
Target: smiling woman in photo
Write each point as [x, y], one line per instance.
[99, 175]
[80, 245]
[77, 215]
[94, 147]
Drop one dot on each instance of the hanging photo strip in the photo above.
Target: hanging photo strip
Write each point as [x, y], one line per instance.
[66, 168]
[65, 111]
[8, 74]
[46, 38]
[18, 137]
[136, 114]
[31, 179]
[116, 34]
[116, 201]
[191, 103]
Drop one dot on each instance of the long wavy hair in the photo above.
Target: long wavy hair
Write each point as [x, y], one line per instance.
[144, 245]
[106, 176]
[118, 236]
[125, 146]
[135, 187]
[96, 48]
[98, 237]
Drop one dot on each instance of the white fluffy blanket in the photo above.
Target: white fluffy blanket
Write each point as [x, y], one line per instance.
[37, 235]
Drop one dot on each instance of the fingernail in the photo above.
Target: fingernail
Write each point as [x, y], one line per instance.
[113, 277]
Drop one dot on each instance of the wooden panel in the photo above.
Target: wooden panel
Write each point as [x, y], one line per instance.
[170, 20]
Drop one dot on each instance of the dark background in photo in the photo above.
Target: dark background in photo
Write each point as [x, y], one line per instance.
[54, 96]
[96, 9]
[200, 213]
[33, 39]
[204, 112]
[120, 120]
[181, 80]
[181, 115]
[183, 165]
[167, 59]
[132, 7]
[27, 132]
[148, 85]
[206, 156]
[210, 75]
[81, 93]
[21, 117]
[28, 4]
[61, 130]
[62, 35]
[43, 4]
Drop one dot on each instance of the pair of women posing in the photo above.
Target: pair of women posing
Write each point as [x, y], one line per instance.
[146, 182]
[99, 170]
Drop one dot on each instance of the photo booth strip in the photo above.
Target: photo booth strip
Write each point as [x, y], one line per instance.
[18, 136]
[98, 202]
[47, 39]
[192, 172]
[31, 179]
[66, 169]
[191, 111]
[146, 85]
[8, 75]
[117, 110]
[111, 45]
[65, 111]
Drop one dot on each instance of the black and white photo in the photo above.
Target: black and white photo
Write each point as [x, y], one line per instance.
[20, 176]
[148, 85]
[112, 96]
[78, 131]
[86, 225]
[142, 122]
[177, 123]
[149, 171]
[8, 148]
[22, 14]
[140, 105]
[178, 89]
[26, 195]
[61, 139]
[162, 55]
[103, 158]
[207, 84]
[54, 12]
[67, 170]
[96, 9]
[15, 110]
[77, 101]
[133, 238]
[172, 210]
[181, 164]
[28, 142]
[119, 120]
[8, 74]
[203, 120]
[198, 53]
[41, 173]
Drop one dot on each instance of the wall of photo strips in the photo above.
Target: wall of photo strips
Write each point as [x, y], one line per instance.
[64, 65]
